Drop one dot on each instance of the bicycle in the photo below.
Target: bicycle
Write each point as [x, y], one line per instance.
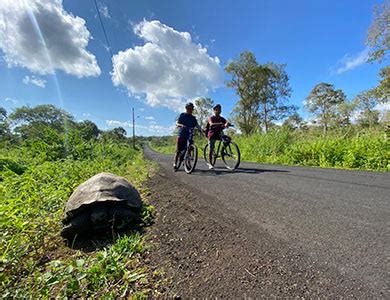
[189, 155]
[229, 152]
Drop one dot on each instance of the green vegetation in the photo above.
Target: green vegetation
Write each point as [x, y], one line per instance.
[366, 150]
[43, 159]
[165, 144]
[354, 149]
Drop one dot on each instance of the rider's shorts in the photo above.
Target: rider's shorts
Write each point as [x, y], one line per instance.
[181, 144]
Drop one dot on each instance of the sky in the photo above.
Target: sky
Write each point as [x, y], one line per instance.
[162, 54]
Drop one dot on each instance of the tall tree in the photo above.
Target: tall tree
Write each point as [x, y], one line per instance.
[322, 102]
[4, 127]
[382, 91]
[88, 130]
[366, 102]
[294, 121]
[344, 112]
[273, 95]
[203, 109]
[247, 78]
[29, 119]
[378, 37]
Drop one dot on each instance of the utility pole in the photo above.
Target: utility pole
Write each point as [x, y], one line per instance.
[133, 130]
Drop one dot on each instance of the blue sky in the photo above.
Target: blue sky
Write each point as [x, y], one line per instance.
[168, 52]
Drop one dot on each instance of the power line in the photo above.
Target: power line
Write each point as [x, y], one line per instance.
[110, 49]
[104, 29]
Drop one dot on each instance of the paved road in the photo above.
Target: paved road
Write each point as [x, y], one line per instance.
[340, 218]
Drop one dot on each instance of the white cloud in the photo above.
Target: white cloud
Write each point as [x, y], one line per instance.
[86, 114]
[168, 70]
[149, 118]
[11, 100]
[103, 9]
[41, 36]
[348, 62]
[383, 108]
[119, 123]
[161, 130]
[34, 80]
[152, 129]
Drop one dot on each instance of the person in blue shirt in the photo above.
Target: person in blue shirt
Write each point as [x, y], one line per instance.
[184, 123]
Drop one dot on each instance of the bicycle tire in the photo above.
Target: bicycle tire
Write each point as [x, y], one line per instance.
[231, 155]
[191, 158]
[180, 160]
[206, 155]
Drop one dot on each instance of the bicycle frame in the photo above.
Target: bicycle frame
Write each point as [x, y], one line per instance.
[190, 141]
[224, 139]
[223, 150]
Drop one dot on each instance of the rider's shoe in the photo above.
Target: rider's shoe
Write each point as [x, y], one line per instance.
[174, 167]
[211, 167]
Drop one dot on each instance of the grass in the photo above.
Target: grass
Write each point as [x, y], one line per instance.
[34, 187]
[364, 149]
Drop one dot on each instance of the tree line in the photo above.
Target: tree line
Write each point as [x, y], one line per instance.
[53, 126]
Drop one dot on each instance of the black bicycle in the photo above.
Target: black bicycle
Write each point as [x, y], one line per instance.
[189, 155]
[227, 150]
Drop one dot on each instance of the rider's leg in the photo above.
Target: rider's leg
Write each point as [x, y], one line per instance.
[176, 155]
[180, 146]
[211, 149]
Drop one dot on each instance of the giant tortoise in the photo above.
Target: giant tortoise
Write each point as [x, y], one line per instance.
[103, 201]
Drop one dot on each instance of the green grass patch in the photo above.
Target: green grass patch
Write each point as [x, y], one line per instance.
[364, 150]
[36, 180]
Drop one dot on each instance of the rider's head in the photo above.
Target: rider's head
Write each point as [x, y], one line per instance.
[189, 107]
[217, 109]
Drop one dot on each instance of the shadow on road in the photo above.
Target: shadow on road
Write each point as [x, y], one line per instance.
[221, 171]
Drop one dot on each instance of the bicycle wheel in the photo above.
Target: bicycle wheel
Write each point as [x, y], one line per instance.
[180, 159]
[206, 155]
[231, 155]
[191, 158]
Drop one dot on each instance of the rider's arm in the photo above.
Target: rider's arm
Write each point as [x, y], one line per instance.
[198, 126]
[179, 124]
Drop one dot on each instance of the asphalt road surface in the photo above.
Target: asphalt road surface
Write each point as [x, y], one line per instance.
[340, 218]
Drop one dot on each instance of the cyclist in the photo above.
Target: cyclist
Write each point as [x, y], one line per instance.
[184, 123]
[214, 128]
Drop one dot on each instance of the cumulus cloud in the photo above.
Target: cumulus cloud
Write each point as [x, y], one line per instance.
[348, 62]
[168, 70]
[41, 36]
[34, 80]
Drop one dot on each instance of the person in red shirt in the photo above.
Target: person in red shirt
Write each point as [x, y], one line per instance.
[215, 125]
